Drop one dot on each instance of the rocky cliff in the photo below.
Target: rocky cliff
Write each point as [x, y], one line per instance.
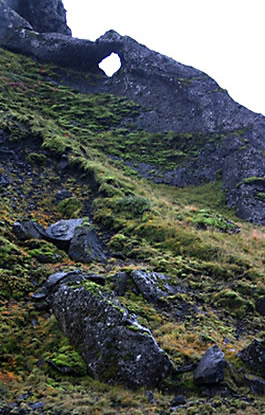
[120, 293]
[224, 138]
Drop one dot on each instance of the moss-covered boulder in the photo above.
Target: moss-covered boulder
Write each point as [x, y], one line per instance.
[112, 342]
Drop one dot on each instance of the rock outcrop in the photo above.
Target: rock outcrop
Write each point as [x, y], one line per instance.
[110, 339]
[44, 16]
[174, 97]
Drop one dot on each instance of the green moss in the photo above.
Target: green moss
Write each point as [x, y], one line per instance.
[206, 218]
[260, 196]
[252, 180]
[44, 252]
[70, 208]
[36, 158]
[68, 358]
[233, 303]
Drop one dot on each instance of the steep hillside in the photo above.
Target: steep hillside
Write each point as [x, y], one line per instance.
[128, 282]
[61, 159]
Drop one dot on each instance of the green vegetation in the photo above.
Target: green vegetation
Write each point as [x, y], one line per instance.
[70, 208]
[152, 226]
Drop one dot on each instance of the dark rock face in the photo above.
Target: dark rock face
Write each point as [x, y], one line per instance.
[29, 230]
[210, 369]
[44, 16]
[254, 356]
[153, 286]
[112, 342]
[85, 246]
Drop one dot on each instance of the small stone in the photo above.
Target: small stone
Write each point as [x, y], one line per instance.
[178, 400]
[37, 405]
[150, 396]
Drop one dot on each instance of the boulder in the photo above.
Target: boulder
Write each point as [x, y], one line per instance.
[29, 230]
[44, 16]
[85, 246]
[115, 346]
[210, 369]
[153, 286]
[254, 356]
[62, 232]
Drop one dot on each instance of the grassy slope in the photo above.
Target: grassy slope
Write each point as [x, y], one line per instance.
[156, 227]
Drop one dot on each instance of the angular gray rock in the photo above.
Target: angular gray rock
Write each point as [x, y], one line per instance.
[210, 369]
[44, 16]
[62, 232]
[115, 346]
[85, 246]
[153, 286]
[29, 230]
[254, 356]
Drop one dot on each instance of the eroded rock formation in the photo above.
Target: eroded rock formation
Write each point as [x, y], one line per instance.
[173, 97]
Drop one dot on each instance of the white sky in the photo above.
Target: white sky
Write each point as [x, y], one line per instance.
[224, 38]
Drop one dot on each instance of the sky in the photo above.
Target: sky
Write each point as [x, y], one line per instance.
[223, 38]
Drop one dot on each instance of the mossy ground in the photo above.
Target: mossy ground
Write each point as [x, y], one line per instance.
[154, 227]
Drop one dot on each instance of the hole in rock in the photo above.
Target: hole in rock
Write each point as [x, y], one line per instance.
[111, 64]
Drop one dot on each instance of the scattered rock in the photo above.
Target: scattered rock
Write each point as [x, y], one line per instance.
[153, 286]
[210, 369]
[254, 356]
[112, 342]
[29, 230]
[5, 181]
[178, 400]
[62, 232]
[63, 194]
[85, 246]
[150, 397]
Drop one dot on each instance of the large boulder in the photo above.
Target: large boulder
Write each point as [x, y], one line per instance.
[210, 369]
[44, 16]
[85, 246]
[62, 232]
[110, 339]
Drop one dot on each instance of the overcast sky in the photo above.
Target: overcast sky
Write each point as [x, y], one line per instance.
[224, 38]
